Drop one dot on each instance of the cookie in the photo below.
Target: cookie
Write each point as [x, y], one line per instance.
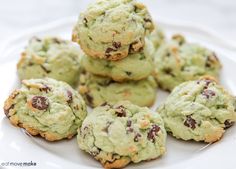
[113, 29]
[97, 90]
[50, 57]
[198, 110]
[46, 107]
[134, 67]
[157, 37]
[119, 134]
[178, 61]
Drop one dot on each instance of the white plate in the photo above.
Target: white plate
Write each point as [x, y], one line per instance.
[16, 146]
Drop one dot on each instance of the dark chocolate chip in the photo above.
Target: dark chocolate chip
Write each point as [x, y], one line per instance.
[89, 98]
[147, 20]
[6, 111]
[190, 122]
[208, 93]
[129, 130]
[85, 21]
[168, 54]
[69, 96]
[131, 47]
[128, 73]
[129, 123]
[153, 132]
[228, 123]
[47, 71]
[137, 137]
[104, 104]
[40, 102]
[58, 41]
[168, 71]
[45, 88]
[108, 51]
[120, 111]
[116, 45]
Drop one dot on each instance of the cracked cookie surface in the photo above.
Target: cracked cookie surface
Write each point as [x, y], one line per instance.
[46, 107]
[122, 133]
[178, 61]
[50, 57]
[198, 110]
[113, 29]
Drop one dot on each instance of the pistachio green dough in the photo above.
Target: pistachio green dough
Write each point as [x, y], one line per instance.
[113, 29]
[122, 133]
[47, 107]
[96, 90]
[178, 61]
[198, 110]
[134, 67]
[50, 57]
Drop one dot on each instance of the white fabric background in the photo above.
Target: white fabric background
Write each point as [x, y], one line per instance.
[19, 15]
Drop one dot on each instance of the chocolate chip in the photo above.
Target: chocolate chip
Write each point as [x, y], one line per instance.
[69, 96]
[58, 41]
[190, 122]
[129, 122]
[208, 81]
[85, 21]
[168, 54]
[45, 88]
[228, 123]
[132, 49]
[128, 73]
[168, 71]
[116, 45]
[147, 20]
[208, 93]
[120, 111]
[40, 102]
[47, 71]
[153, 132]
[89, 98]
[108, 51]
[6, 111]
[137, 137]
[105, 104]
[129, 130]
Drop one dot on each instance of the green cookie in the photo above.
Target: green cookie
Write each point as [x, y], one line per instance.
[50, 57]
[113, 29]
[96, 90]
[177, 61]
[198, 110]
[134, 67]
[46, 107]
[122, 133]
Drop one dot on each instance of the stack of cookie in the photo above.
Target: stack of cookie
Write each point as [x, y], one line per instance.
[118, 59]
